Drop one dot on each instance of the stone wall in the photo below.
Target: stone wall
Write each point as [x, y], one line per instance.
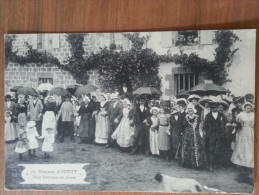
[60, 48]
[29, 75]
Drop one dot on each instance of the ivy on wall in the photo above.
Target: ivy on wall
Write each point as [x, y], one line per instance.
[132, 67]
[215, 70]
[32, 55]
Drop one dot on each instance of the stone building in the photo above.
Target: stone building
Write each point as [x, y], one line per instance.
[31, 75]
[174, 78]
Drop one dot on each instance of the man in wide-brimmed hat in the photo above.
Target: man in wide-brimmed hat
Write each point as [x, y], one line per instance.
[67, 118]
[115, 116]
[214, 129]
[141, 112]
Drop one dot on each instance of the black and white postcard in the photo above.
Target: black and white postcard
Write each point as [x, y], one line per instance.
[168, 111]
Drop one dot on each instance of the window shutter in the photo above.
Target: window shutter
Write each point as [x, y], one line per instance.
[34, 41]
[174, 37]
[207, 37]
[55, 40]
[166, 39]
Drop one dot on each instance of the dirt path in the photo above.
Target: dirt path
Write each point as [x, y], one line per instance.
[110, 170]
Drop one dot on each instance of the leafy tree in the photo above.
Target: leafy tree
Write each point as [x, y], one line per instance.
[132, 67]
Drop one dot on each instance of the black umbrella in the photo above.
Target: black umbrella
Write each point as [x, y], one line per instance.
[84, 90]
[73, 88]
[27, 91]
[59, 91]
[208, 88]
[16, 88]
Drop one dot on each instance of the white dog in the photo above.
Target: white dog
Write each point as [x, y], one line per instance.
[183, 185]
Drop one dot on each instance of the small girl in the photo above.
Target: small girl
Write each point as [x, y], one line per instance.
[31, 136]
[153, 123]
[10, 132]
[48, 142]
[163, 133]
[22, 144]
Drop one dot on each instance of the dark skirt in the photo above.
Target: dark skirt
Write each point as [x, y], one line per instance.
[193, 152]
[85, 129]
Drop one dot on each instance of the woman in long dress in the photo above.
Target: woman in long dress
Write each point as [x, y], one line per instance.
[193, 154]
[102, 121]
[164, 144]
[49, 116]
[10, 131]
[85, 130]
[124, 133]
[243, 154]
[153, 123]
[21, 111]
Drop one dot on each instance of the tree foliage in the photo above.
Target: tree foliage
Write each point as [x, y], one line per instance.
[133, 67]
[77, 64]
[136, 67]
[9, 54]
[31, 56]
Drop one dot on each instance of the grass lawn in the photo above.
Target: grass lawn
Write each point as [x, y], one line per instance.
[110, 170]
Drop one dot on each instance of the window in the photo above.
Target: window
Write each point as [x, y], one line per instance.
[184, 82]
[187, 38]
[112, 38]
[40, 40]
[45, 80]
[50, 42]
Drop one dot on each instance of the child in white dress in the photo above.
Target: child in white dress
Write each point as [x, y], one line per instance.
[22, 145]
[31, 136]
[48, 142]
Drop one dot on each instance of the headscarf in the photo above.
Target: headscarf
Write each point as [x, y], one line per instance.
[86, 98]
[190, 106]
[247, 104]
[154, 108]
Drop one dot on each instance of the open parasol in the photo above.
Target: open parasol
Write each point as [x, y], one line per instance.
[208, 88]
[84, 90]
[73, 88]
[45, 87]
[146, 90]
[59, 91]
[16, 88]
[183, 94]
[27, 91]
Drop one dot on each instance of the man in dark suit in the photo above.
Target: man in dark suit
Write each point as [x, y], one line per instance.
[177, 127]
[141, 112]
[215, 130]
[125, 93]
[115, 116]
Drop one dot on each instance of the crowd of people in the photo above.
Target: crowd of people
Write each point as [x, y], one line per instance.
[199, 132]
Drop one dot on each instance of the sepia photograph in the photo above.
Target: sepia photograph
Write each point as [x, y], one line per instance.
[164, 111]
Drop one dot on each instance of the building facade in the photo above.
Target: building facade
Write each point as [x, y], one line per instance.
[175, 79]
